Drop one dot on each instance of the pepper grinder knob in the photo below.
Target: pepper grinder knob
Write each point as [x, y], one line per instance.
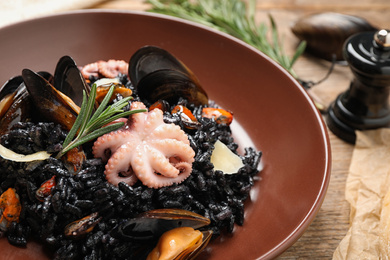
[382, 38]
[364, 105]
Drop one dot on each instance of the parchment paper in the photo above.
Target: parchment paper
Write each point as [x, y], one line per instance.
[367, 184]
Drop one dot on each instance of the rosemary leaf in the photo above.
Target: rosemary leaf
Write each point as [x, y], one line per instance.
[104, 102]
[107, 114]
[120, 115]
[94, 134]
[77, 122]
[299, 51]
[91, 125]
[88, 111]
[235, 17]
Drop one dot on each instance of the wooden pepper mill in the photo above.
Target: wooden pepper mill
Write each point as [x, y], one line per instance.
[365, 104]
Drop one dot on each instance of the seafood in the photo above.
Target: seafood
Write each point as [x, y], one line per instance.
[221, 116]
[79, 228]
[112, 68]
[8, 92]
[10, 208]
[160, 104]
[158, 75]
[150, 225]
[45, 189]
[325, 33]
[90, 70]
[74, 159]
[57, 98]
[147, 149]
[69, 81]
[187, 118]
[14, 105]
[183, 243]
[103, 85]
[107, 69]
[51, 104]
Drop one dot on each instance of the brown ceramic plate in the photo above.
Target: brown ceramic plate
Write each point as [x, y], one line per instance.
[272, 112]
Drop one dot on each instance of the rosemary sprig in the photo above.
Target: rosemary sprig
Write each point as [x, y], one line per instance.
[234, 17]
[89, 125]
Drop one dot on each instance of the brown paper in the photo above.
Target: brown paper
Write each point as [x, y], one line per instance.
[367, 184]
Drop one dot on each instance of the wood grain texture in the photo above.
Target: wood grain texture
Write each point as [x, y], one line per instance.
[331, 224]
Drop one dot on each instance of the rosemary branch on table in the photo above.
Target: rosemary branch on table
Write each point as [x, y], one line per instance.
[235, 17]
[90, 125]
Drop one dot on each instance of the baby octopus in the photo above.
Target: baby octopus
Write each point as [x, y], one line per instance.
[146, 149]
[108, 69]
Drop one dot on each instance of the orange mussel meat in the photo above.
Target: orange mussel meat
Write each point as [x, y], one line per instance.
[10, 207]
[186, 116]
[45, 189]
[221, 116]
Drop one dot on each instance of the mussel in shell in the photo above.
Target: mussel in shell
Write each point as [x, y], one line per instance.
[14, 104]
[325, 33]
[155, 228]
[158, 75]
[52, 97]
[183, 243]
[68, 80]
[51, 104]
[150, 225]
[81, 227]
[8, 92]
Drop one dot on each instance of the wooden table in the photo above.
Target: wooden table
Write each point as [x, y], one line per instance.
[332, 221]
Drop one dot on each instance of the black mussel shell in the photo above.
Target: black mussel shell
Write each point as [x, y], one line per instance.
[10, 86]
[149, 59]
[19, 109]
[151, 225]
[69, 80]
[47, 101]
[158, 75]
[170, 85]
[47, 75]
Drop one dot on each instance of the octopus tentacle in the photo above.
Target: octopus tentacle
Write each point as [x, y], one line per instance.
[153, 120]
[89, 70]
[111, 141]
[108, 69]
[118, 169]
[168, 131]
[160, 164]
[136, 121]
[158, 181]
[112, 68]
[173, 148]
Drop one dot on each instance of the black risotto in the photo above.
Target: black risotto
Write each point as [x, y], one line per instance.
[217, 196]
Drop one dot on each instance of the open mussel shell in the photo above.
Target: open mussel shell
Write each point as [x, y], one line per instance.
[158, 75]
[325, 33]
[14, 104]
[150, 225]
[170, 85]
[10, 86]
[8, 92]
[41, 94]
[151, 58]
[69, 80]
[49, 102]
